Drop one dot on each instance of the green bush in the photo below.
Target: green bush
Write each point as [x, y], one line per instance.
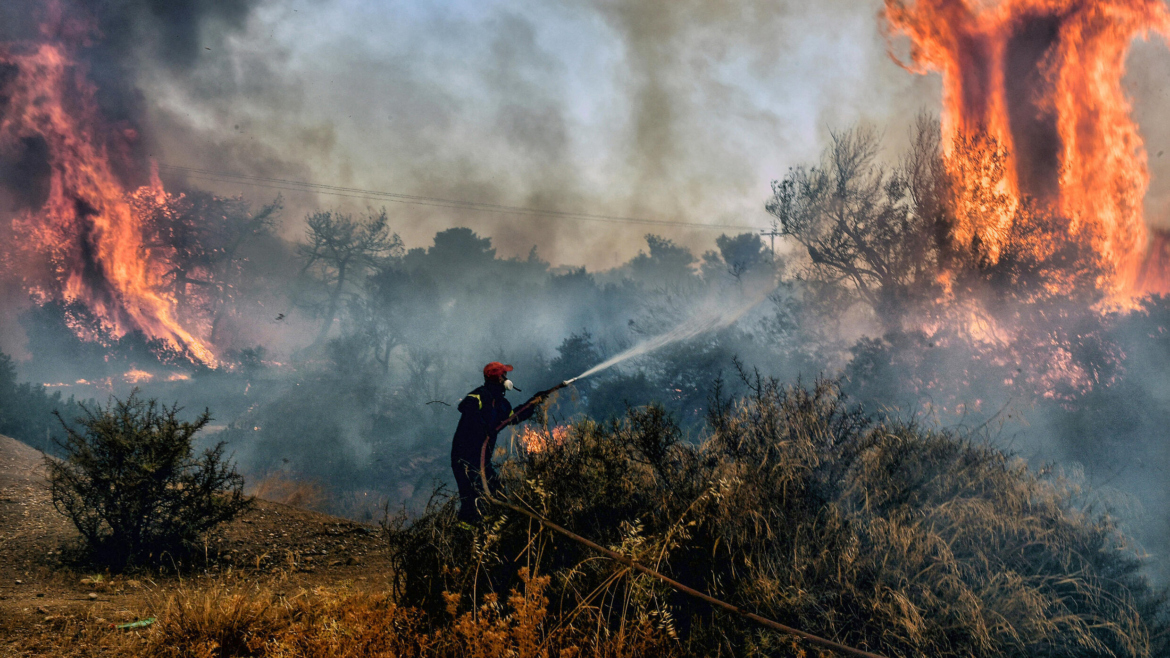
[878, 535]
[132, 485]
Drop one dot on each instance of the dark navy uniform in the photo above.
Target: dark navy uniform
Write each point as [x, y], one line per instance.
[483, 411]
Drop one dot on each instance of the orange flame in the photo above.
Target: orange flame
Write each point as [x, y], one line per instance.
[1043, 79]
[87, 228]
[135, 376]
[1155, 273]
[538, 439]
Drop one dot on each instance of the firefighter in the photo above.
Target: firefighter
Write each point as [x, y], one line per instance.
[484, 412]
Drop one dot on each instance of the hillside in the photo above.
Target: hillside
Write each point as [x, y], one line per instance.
[275, 544]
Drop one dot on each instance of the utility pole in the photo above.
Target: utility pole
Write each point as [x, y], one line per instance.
[772, 242]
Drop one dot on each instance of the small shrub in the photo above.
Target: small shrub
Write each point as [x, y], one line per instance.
[216, 620]
[132, 485]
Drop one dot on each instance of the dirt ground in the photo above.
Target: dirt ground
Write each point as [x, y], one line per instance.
[272, 543]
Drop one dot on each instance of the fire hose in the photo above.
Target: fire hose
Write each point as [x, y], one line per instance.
[634, 564]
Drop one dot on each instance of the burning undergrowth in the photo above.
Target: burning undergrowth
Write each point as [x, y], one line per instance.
[877, 534]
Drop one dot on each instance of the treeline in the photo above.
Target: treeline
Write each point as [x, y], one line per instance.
[405, 333]
[26, 409]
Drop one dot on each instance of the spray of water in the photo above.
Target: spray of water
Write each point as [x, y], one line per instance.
[711, 318]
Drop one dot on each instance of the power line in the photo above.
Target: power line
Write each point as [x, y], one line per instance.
[434, 202]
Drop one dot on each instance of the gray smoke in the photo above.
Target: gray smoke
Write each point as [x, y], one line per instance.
[114, 42]
[677, 111]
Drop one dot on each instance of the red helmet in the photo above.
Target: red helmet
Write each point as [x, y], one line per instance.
[496, 369]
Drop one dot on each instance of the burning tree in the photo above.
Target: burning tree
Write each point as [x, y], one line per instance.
[1044, 80]
[201, 236]
[908, 242]
[94, 228]
[85, 237]
[1010, 226]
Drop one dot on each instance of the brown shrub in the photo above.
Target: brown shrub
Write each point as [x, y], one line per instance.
[215, 621]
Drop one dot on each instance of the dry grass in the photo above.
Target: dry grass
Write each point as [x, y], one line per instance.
[281, 488]
[364, 506]
[226, 619]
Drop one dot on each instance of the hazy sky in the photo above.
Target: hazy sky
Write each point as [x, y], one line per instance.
[679, 110]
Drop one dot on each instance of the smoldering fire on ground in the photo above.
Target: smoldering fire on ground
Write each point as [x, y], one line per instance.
[977, 282]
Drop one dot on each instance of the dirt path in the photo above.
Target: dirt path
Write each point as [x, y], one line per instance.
[272, 542]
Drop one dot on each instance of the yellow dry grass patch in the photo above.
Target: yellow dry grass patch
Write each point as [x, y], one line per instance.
[225, 619]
